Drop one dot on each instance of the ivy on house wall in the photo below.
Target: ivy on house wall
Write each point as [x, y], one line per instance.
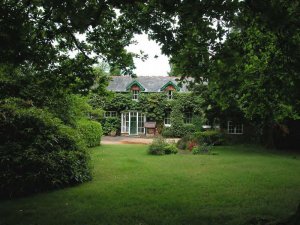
[182, 104]
[156, 106]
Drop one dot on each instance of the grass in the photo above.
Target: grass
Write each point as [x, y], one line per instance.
[131, 187]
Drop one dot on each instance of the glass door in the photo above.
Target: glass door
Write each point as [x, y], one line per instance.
[133, 123]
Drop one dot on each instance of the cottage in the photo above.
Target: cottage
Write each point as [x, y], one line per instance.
[132, 121]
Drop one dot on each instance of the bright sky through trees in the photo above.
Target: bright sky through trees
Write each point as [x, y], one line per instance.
[153, 66]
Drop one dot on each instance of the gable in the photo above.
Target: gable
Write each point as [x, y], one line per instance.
[135, 85]
[170, 86]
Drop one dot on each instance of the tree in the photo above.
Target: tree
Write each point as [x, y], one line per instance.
[249, 54]
[256, 68]
[48, 50]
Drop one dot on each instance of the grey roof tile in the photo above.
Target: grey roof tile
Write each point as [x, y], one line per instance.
[150, 83]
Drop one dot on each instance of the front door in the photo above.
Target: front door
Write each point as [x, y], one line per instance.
[133, 123]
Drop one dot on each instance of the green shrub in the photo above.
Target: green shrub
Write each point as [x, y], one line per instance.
[90, 131]
[159, 146]
[178, 131]
[202, 149]
[111, 124]
[213, 137]
[167, 132]
[170, 149]
[38, 152]
[183, 142]
[188, 129]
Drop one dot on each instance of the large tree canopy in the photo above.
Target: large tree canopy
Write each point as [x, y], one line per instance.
[250, 57]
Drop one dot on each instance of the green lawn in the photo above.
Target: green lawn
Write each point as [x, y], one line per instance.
[131, 187]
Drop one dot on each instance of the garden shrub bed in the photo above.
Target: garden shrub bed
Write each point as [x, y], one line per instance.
[159, 146]
[209, 137]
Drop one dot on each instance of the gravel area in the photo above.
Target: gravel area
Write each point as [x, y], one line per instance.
[130, 140]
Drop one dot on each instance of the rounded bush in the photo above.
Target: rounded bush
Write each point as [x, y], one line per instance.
[90, 131]
[38, 152]
[170, 149]
[159, 146]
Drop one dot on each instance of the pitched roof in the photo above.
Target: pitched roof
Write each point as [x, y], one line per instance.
[150, 83]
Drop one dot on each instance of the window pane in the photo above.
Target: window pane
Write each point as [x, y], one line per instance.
[170, 94]
[235, 128]
[135, 94]
[188, 117]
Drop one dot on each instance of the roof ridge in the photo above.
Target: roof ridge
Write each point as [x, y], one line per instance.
[165, 76]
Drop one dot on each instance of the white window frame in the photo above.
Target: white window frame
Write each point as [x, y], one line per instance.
[235, 128]
[141, 123]
[126, 121]
[135, 95]
[170, 94]
[188, 118]
[110, 114]
[167, 120]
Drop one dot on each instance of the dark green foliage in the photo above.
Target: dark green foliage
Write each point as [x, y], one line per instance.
[38, 152]
[156, 106]
[118, 102]
[183, 142]
[198, 121]
[213, 137]
[188, 129]
[159, 146]
[111, 125]
[178, 129]
[181, 104]
[90, 131]
[167, 132]
[209, 137]
[202, 149]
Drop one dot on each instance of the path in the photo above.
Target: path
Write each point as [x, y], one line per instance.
[130, 140]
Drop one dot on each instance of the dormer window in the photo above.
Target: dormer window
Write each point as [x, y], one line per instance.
[169, 89]
[170, 94]
[135, 88]
[135, 94]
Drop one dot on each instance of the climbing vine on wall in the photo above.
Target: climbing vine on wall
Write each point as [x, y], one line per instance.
[156, 106]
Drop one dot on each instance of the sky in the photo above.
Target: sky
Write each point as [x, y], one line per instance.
[152, 66]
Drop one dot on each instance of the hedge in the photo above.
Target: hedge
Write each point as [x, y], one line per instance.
[38, 152]
[90, 131]
[214, 137]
